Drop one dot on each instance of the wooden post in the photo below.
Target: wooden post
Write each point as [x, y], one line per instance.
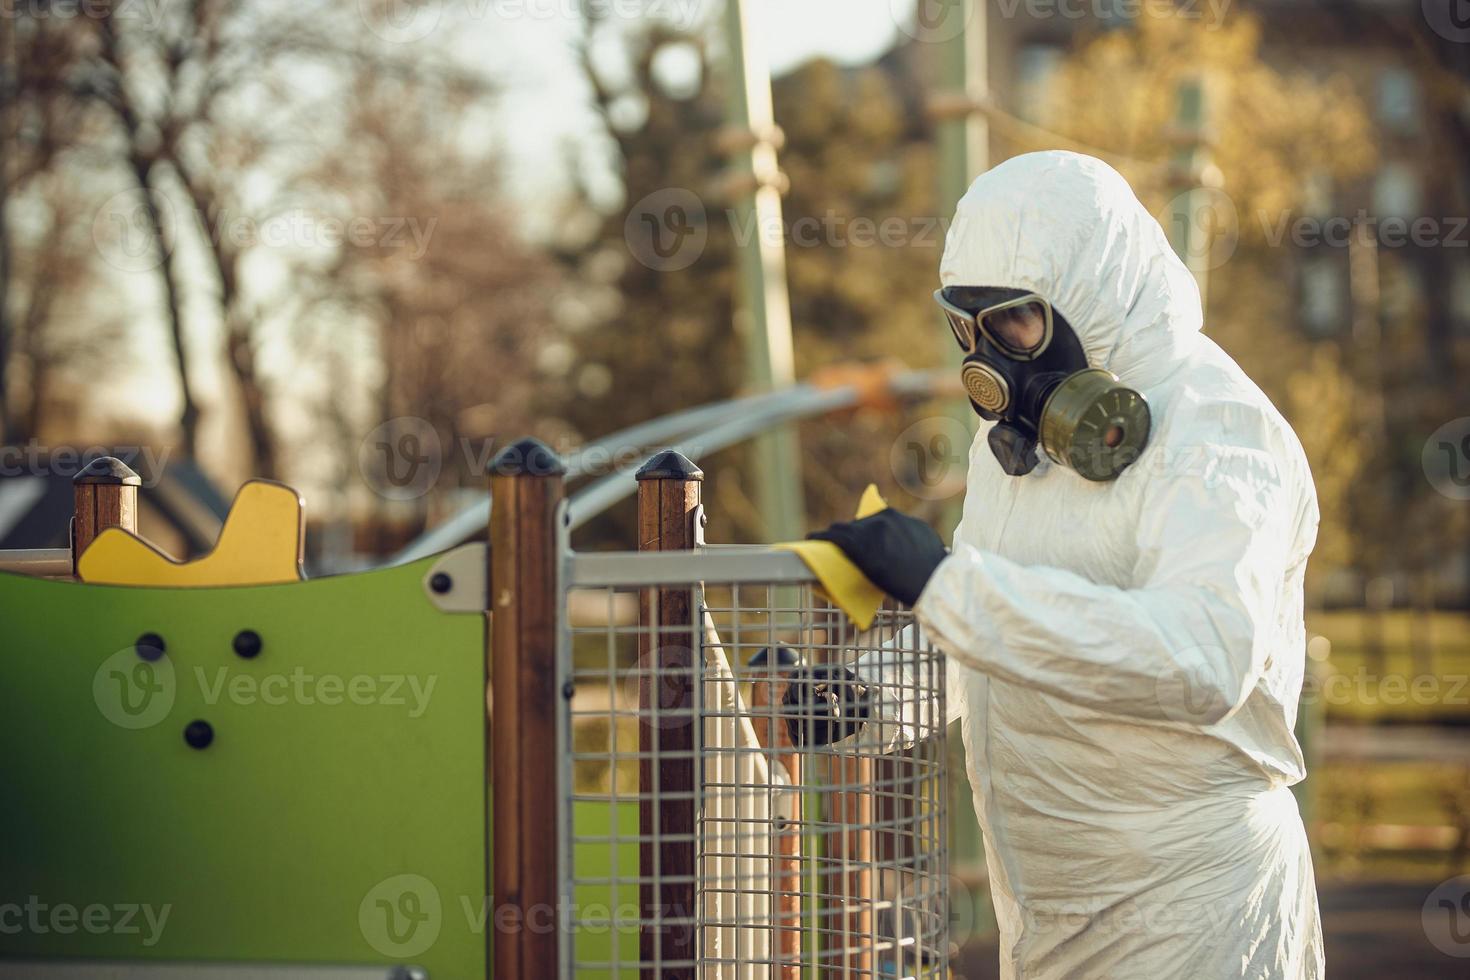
[767, 690]
[526, 486]
[105, 495]
[849, 923]
[668, 499]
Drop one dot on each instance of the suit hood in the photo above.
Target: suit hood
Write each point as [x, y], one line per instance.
[1069, 228]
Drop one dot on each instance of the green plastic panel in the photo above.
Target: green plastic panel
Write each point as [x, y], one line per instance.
[338, 815]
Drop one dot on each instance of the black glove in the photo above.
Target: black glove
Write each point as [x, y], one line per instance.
[824, 704]
[896, 552]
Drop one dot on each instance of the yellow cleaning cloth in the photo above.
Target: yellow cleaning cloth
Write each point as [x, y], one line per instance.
[841, 582]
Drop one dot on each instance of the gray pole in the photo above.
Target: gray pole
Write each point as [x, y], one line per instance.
[963, 132]
[763, 307]
[1191, 234]
[963, 137]
[963, 146]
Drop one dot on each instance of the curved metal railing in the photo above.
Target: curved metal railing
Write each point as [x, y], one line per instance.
[695, 432]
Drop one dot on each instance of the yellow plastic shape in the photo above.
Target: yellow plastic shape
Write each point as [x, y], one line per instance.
[261, 543]
[841, 583]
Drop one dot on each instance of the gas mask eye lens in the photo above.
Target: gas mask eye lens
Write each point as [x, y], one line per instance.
[961, 323]
[963, 331]
[1018, 328]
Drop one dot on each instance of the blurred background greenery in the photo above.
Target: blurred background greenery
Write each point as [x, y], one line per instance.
[249, 234]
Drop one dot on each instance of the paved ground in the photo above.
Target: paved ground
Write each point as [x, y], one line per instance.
[1373, 932]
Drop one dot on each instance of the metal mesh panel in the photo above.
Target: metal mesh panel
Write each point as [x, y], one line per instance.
[733, 821]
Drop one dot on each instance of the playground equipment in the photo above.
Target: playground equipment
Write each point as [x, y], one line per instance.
[214, 769]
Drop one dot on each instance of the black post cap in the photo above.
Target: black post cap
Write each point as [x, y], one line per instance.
[670, 465]
[108, 471]
[528, 457]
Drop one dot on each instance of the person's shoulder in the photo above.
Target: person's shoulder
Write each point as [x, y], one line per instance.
[1211, 400]
[1212, 413]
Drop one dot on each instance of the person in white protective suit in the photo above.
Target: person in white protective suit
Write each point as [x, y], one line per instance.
[1122, 607]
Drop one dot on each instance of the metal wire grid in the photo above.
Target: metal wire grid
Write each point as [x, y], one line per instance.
[707, 835]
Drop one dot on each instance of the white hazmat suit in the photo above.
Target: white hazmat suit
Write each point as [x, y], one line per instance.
[1126, 657]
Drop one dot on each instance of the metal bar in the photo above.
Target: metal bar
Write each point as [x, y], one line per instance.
[527, 480]
[565, 777]
[757, 566]
[695, 432]
[668, 504]
[164, 970]
[40, 562]
[585, 461]
[598, 497]
[805, 402]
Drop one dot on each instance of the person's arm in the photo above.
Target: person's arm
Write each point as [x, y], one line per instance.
[1188, 643]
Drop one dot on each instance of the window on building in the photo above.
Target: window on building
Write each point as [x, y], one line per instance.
[1324, 302]
[1460, 297]
[1398, 100]
[1115, 13]
[1318, 194]
[1402, 295]
[1036, 71]
[1396, 191]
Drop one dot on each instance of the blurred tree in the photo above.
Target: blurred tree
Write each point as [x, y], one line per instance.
[1270, 135]
[304, 191]
[38, 118]
[59, 334]
[863, 245]
[432, 278]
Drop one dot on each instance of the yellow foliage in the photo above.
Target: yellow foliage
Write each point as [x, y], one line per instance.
[1270, 131]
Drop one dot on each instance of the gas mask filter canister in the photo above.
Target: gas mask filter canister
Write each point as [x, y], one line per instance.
[1025, 369]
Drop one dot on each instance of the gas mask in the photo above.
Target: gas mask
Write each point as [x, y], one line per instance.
[1025, 369]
